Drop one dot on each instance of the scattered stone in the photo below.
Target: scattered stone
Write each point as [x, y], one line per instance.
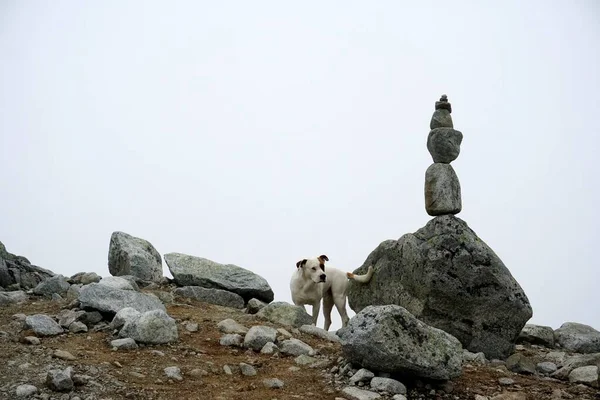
[64, 355]
[285, 314]
[587, 375]
[520, 364]
[67, 317]
[198, 373]
[81, 380]
[354, 393]
[273, 383]
[269, 348]
[387, 385]
[537, 334]
[362, 375]
[230, 326]
[231, 339]
[510, 396]
[57, 284]
[254, 306]
[124, 315]
[173, 373]
[557, 357]
[578, 338]
[116, 282]
[247, 369]
[319, 332]
[402, 397]
[31, 340]
[78, 327]
[124, 344]
[153, 327]
[128, 255]
[91, 318]
[210, 295]
[227, 370]
[73, 292]
[109, 300]
[12, 297]
[60, 380]
[506, 381]
[258, 336]
[26, 390]
[295, 347]
[305, 360]
[43, 325]
[546, 367]
[477, 358]
[191, 327]
[390, 339]
[89, 277]
[576, 361]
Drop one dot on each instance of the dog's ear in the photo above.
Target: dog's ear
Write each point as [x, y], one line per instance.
[301, 263]
[323, 258]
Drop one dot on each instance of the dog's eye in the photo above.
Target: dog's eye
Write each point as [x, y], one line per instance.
[314, 268]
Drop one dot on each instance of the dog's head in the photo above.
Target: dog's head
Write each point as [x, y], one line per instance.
[314, 268]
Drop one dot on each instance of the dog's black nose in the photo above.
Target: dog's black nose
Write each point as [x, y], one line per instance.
[323, 276]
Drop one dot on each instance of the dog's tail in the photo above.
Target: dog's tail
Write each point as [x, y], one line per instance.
[361, 278]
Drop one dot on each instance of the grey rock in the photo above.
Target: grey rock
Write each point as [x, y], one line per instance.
[43, 325]
[506, 381]
[441, 119]
[116, 282]
[269, 348]
[212, 296]
[546, 367]
[227, 370]
[165, 297]
[89, 277]
[196, 271]
[16, 272]
[64, 355]
[78, 327]
[191, 327]
[537, 334]
[273, 383]
[354, 393]
[230, 326]
[109, 300]
[32, 340]
[319, 332]
[444, 144]
[152, 327]
[56, 297]
[387, 385]
[390, 339]
[129, 255]
[67, 317]
[304, 360]
[124, 315]
[91, 318]
[57, 284]
[231, 339]
[578, 338]
[573, 362]
[446, 276]
[520, 364]
[258, 336]
[173, 373]
[73, 292]
[362, 375]
[247, 369]
[587, 375]
[7, 298]
[25, 390]
[60, 380]
[476, 358]
[556, 357]
[295, 347]
[255, 305]
[124, 344]
[284, 313]
[80, 380]
[403, 397]
[442, 190]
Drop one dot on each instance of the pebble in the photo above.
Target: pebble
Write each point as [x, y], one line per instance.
[26, 390]
[64, 355]
[273, 383]
[173, 373]
[247, 369]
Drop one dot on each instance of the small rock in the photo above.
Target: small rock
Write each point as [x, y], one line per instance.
[26, 390]
[64, 355]
[254, 306]
[31, 340]
[269, 348]
[227, 369]
[191, 327]
[231, 326]
[362, 375]
[520, 364]
[231, 339]
[273, 383]
[247, 369]
[354, 393]
[587, 375]
[304, 360]
[387, 385]
[295, 347]
[546, 367]
[81, 380]
[403, 397]
[198, 372]
[506, 381]
[59, 381]
[78, 327]
[319, 332]
[124, 344]
[173, 373]
[258, 336]
[43, 325]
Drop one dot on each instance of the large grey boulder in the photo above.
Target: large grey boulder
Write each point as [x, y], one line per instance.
[587, 375]
[110, 300]
[537, 334]
[578, 338]
[43, 325]
[390, 339]
[16, 272]
[576, 361]
[212, 296]
[444, 144]
[196, 271]
[57, 284]
[7, 298]
[284, 313]
[442, 190]
[152, 327]
[128, 255]
[450, 279]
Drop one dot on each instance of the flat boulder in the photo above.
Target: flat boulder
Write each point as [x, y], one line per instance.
[57, 284]
[537, 334]
[212, 296]
[284, 313]
[110, 300]
[196, 271]
[117, 282]
[447, 277]
[390, 339]
[129, 255]
[43, 325]
[578, 338]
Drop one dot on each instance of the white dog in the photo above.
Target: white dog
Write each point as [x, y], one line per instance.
[312, 282]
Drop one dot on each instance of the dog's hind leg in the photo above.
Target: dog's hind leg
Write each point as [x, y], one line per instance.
[327, 307]
[340, 304]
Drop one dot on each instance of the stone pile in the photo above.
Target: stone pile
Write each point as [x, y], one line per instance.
[442, 188]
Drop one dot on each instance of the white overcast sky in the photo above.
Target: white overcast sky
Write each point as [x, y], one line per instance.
[260, 133]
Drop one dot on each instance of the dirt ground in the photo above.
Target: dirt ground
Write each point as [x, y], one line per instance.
[138, 374]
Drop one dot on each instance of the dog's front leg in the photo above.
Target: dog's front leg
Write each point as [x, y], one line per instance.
[316, 307]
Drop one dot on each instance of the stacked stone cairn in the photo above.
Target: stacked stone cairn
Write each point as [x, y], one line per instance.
[442, 188]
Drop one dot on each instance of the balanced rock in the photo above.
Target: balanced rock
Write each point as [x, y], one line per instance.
[442, 190]
[450, 279]
[444, 144]
[390, 339]
[441, 119]
[196, 271]
[110, 300]
[212, 296]
[578, 338]
[128, 255]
